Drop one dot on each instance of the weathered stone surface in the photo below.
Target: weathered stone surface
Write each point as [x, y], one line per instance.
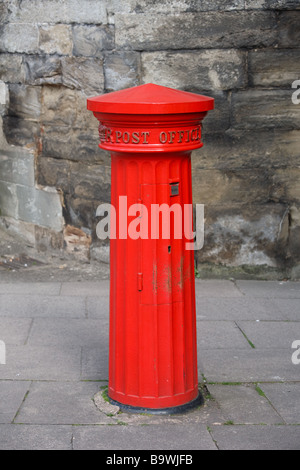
[25, 101]
[19, 37]
[42, 70]
[172, 6]
[72, 144]
[272, 68]
[208, 70]
[92, 40]
[286, 185]
[55, 11]
[17, 166]
[94, 184]
[121, 70]
[55, 39]
[239, 149]
[189, 31]
[12, 68]
[234, 186]
[40, 206]
[53, 172]
[21, 132]
[272, 4]
[266, 109]
[289, 32]
[255, 236]
[4, 97]
[77, 242]
[85, 74]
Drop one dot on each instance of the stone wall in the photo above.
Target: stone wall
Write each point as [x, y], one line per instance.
[244, 53]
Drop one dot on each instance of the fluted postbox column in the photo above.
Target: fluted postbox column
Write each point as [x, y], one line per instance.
[150, 132]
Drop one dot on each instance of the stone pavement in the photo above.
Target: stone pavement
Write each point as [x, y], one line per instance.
[55, 335]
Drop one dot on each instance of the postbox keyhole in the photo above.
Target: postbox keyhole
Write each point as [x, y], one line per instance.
[169, 249]
[174, 188]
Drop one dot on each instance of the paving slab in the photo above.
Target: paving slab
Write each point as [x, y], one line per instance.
[30, 288]
[11, 396]
[98, 306]
[42, 306]
[41, 363]
[247, 365]
[92, 288]
[78, 332]
[151, 437]
[220, 335]
[290, 309]
[270, 289]
[243, 404]
[216, 288]
[285, 399]
[242, 308]
[94, 363]
[14, 330]
[269, 334]
[61, 403]
[256, 437]
[22, 437]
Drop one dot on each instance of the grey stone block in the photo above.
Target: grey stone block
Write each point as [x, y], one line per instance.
[285, 399]
[266, 109]
[205, 30]
[83, 73]
[289, 34]
[208, 70]
[25, 101]
[243, 405]
[40, 206]
[42, 70]
[272, 4]
[70, 11]
[90, 40]
[8, 199]
[41, 437]
[19, 37]
[122, 70]
[165, 437]
[271, 68]
[12, 69]
[55, 39]
[61, 403]
[11, 397]
[17, 167]
[256, 437]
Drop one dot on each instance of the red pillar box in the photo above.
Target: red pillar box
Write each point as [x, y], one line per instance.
[150, 132]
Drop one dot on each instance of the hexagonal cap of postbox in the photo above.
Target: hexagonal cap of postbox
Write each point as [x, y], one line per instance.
[150, 118]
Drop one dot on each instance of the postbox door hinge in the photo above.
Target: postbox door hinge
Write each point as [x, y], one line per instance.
[140, 281]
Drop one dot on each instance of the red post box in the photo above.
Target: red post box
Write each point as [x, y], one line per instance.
[150, 132]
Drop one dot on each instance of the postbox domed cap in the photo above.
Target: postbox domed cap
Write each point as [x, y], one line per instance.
[150, 99]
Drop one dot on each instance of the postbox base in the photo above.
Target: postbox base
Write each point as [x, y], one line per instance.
[198, 401]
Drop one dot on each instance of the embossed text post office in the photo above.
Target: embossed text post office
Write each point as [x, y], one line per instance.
[150, 132]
